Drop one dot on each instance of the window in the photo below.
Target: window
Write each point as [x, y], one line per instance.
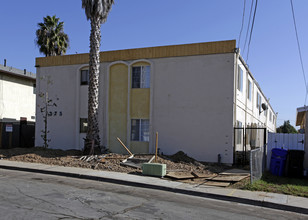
[239, 132]
[84, 77]
[240, 79]
[83, 125]
[34, 88]
[258, 101]
[141, 77]
[270, 116]
[265, 112]
[140, 130]
[249, 90]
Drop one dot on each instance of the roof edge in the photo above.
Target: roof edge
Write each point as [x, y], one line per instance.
[216, 47]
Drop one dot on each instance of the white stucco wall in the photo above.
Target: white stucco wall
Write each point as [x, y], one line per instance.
[17, 98]
[192, 106]
[63, 86]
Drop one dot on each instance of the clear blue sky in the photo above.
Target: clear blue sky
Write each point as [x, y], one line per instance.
[273, 57]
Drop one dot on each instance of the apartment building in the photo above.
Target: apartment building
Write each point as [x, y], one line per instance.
[193, 95]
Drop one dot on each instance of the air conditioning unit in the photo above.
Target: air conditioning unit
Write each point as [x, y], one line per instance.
[154, 169]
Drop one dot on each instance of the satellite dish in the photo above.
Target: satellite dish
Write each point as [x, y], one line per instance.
[264, 106]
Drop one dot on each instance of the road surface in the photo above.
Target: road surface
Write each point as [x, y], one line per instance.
[37, 196]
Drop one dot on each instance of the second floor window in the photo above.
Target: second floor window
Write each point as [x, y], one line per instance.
[141, 77]
[249, 90]
[240, 79]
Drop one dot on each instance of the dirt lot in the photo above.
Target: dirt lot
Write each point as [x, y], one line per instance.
[71, 158]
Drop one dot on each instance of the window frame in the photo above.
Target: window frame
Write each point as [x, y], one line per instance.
[143, 127]
[82, 127]
[239, 132]
[240, 74]
[259, 101]
[144, 78]
[249, 91]
[84, 82]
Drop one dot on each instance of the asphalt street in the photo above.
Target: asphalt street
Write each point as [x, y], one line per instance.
[38, 196]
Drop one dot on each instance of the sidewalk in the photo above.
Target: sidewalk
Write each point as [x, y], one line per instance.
[263, 199]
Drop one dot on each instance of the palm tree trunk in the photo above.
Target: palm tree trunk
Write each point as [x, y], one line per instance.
[92, 142]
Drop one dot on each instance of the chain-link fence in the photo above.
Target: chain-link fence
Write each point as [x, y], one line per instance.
[256, 164]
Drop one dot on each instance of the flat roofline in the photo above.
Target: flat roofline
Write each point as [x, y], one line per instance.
[216, 47]
[17, 72]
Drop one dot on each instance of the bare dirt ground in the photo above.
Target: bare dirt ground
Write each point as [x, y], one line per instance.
[71, 158]
[111, 162]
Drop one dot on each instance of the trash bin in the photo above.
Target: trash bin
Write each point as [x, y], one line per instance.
[295, 163]
[278, 161]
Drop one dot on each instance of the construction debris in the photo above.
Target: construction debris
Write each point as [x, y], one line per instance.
[136, 162]
[214, 183]
[180, 175]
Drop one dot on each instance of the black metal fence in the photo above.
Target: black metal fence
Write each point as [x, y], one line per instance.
[17, 134]
[250, 149]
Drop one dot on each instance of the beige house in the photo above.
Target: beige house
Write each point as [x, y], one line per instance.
[17, 94]
[17, 107]
[193, 95]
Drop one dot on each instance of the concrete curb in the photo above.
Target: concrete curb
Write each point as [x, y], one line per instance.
[165, 188]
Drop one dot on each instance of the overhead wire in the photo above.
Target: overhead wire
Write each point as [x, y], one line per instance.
[299, 51]
[243, 20]
[250, 13]
[251, 30]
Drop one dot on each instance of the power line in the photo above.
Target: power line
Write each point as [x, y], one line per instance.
[243, 19]
[299, 51]
[252, 25]
[250, 13]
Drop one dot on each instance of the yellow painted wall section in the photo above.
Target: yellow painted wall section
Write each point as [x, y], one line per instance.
[117, 106]
[138, 147]
[140, 103]
[140, 109]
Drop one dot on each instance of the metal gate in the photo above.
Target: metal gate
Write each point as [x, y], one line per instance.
[246, 140]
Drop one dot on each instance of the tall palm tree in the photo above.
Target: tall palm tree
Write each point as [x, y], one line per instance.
[97, 12]
[51, 38]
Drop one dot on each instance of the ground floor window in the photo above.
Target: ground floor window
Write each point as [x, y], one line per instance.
[83, 125]
[140, 130]
[239, 134]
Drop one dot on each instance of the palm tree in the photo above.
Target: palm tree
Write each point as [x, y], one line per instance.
[51, 38]
[97, 12]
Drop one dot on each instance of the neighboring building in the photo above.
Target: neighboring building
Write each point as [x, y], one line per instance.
[17, 103]
[193, 95]
[302, 121]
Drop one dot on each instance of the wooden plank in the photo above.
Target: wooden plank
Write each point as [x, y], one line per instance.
[214, 183]
[150, 161]
[124, 146]
[236, 172]
[228, 178]
[131, 156]
[133, 165]
[180, 175]
[203, 175]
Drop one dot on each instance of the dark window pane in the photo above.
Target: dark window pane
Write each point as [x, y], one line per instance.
[135, 124]
[136, 72]
[84, 78]
[145, 132]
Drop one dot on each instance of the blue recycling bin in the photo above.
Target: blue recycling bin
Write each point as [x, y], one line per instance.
[278, 161]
